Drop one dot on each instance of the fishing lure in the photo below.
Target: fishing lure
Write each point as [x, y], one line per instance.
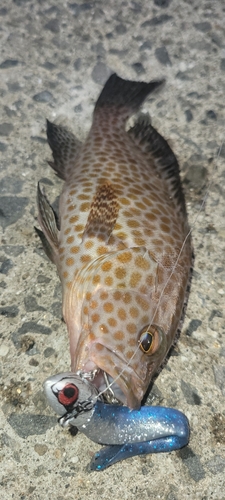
[151, 429]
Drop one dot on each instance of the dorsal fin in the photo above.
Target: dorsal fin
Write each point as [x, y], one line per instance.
[65, 147]
[158, 150]
[125, 95]
[48, 223]
[103, 213]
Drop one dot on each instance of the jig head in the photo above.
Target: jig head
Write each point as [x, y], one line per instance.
[71, 397]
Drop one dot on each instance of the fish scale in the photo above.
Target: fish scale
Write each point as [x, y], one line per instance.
[123, 224]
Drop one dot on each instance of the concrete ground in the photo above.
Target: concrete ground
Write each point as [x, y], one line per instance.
[55, 57]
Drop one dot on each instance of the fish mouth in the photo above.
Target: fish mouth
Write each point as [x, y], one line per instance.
[108, 390]
[115, 379]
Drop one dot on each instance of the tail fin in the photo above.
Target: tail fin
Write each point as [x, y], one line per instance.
[119, 93]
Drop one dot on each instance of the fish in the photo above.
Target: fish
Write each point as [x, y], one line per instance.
[121, 243]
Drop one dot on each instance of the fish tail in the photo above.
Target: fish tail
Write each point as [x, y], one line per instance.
[124, 95]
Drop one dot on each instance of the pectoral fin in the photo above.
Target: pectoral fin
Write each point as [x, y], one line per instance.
[103, 214]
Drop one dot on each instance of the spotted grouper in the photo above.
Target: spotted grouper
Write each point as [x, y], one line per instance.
[121, 243]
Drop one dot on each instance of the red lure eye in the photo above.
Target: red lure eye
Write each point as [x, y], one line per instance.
[68, 395]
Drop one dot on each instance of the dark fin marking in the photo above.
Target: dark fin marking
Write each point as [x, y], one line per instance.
[46, 245]
[64, 146]
[47, 220]
[103, 214]
[119, 93]
[154, 145]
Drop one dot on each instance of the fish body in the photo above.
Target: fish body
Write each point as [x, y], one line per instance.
[121, 245]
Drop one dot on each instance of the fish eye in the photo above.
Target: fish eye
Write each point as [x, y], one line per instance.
[149, 339]
[68, 395]
[146, 340]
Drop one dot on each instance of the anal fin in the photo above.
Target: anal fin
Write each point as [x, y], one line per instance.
[64, 146]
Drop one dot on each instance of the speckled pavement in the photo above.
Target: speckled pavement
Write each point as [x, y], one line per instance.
[54, 59]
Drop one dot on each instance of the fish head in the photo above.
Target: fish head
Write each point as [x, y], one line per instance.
[120, 333]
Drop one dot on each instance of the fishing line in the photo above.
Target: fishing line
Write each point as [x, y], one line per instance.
[172, 272]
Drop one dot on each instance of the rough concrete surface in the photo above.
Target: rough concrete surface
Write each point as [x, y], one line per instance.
[55, 57]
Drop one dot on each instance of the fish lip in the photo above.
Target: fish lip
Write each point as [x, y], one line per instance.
[132, 385]
[88, 375]
[100, 380]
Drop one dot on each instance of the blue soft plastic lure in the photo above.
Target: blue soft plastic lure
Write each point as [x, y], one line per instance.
[151, 429]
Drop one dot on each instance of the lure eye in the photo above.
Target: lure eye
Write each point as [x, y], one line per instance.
[68, 395]
[149, 339]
